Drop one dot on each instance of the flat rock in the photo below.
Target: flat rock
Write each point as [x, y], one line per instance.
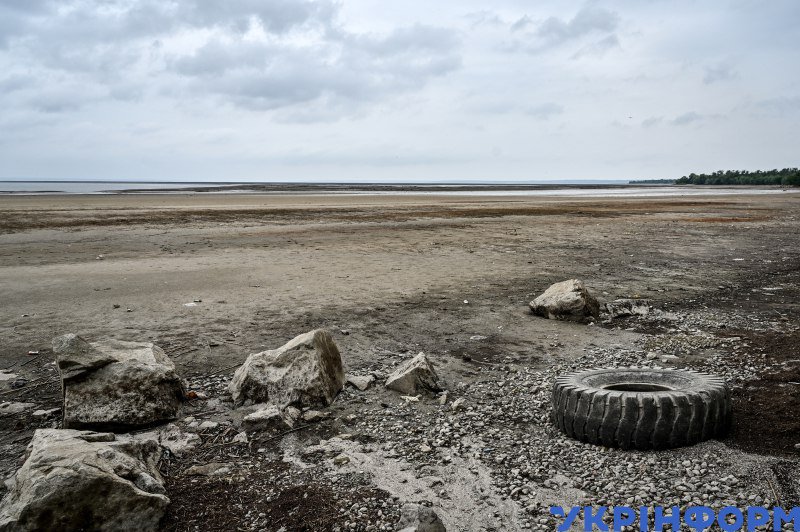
[209, 470]
[79, 480]
[567, 300]
[414, 376]
[307, 371]
[9, 408]
[360, 382]
[170, 437]
[266, 417]
[116, 385]
[43, 414]
[7, 376]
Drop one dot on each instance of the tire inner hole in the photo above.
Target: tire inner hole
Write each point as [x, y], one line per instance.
[637, 387]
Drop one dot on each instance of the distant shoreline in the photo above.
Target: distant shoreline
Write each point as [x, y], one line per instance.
[22, 188]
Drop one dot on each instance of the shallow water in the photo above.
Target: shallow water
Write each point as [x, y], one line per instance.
[591, 191]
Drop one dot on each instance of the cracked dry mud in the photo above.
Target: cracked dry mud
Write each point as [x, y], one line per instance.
[391, 277]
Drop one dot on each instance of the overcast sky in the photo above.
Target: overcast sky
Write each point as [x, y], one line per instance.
[396, 91]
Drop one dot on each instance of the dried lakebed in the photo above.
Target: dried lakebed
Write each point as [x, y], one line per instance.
[723, 296]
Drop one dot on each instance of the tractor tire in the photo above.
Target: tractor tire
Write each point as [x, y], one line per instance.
[641, 408]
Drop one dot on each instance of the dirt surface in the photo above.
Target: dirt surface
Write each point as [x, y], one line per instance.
[212, 279]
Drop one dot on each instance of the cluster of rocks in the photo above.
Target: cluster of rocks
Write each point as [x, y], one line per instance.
[435, 452]
[124, 386]
[502, 421]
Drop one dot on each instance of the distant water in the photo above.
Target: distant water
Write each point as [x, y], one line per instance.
[80, 187]
[599, 190]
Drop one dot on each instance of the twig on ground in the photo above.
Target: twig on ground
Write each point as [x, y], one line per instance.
[777, 499]
[282, 434]
[29, 387]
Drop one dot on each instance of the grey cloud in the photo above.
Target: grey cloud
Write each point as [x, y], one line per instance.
[522, 23]
[116, 49]
[721, 72]
[687, 118]
[16, 82]
[590, 19]
[277, 16]
[217, 57]
[545, 111]
[64, 98]
[652, 121]
[345, 70]
[780, 103]
[483, 18]
[598, 48]
[589, 22]
[417, 38]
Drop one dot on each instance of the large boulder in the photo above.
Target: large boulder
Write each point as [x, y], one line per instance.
[567, 300]
[306, 371]
[414, 376]
[116, 385]
[80, 480]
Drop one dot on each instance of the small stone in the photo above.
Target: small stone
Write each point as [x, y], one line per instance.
[341, 459]
[312, 416]
[15, 408]
[42, 414]
[209, 470]
[413, 376]
[208, 425]
[240, 438]
[291, 415]
[360, 382]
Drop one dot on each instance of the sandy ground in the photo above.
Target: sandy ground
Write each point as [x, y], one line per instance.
[396, 274]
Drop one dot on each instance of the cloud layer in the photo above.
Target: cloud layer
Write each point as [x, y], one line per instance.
[319, 89]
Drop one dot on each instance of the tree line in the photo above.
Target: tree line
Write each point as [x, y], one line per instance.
[787, 176]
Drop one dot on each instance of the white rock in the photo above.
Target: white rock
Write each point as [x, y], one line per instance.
[171, 437]
[209, 470]
[41, 414]
[414, 376]
[208, 425]
[311, 416]
[268, 416]
[59, 485]
[458, 404]
[306, 371]
[7, 376]
[116, 384]
[567, 300]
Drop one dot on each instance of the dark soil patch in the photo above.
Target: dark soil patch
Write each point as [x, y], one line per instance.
[765, 410]
[786, 475]
[22, 220]
[267, 498]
